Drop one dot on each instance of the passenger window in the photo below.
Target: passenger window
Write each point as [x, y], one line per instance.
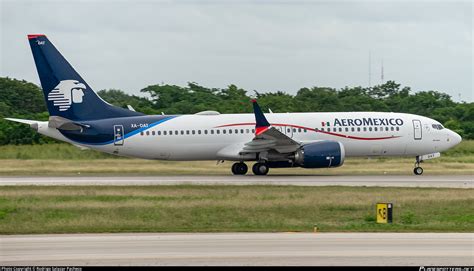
[164, 132]
[199, 132]
[304, 130]
[176, 132]
[159, 132]
[241, 131]
[340, 129]
[218, 131]
[171, 133]
[365, 129]
[152, 132]
[322, 129]
[212, 132]
[193, 132]
[147, 133]
[205, 132]
[398, 128]
[182, 132]
[370, 129]
[375, 129]
[253, 131]
[386, 128]
[247, 131]
[187, 132]
[294, 130]
[299, 130]
[391, 128]
[288, 130]
[347, 129]
[230, 131]
[352, 129]
[236, 131]
[141, 133]
[329, 129]
[223, 131]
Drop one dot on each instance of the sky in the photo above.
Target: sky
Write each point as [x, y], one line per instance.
[256, 45]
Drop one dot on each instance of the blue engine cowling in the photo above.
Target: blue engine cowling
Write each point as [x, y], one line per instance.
[320, 154]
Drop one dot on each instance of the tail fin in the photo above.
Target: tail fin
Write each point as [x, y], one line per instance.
[66, 94]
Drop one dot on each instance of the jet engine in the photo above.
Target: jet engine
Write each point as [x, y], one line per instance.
[320, 154]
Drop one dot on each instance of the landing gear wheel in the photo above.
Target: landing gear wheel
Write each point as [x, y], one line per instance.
[260, 169]
[239, 168]
[418, 171]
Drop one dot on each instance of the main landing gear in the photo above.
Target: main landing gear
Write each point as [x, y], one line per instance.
[241, 168]
[418, 170]
[260, 169]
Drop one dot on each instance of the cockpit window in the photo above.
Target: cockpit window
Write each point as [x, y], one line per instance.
[437, 126]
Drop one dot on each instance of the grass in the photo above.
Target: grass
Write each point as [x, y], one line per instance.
[90, 209]
[137, 167]
[67, 160]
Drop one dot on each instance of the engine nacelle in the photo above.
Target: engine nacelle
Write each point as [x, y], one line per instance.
[320, 154]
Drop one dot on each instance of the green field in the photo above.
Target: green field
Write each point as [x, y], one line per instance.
[67, 160]
[74, 209]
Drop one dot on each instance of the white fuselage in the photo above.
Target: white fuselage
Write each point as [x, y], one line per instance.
[222, 136]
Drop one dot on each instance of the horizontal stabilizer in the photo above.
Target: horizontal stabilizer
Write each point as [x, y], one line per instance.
[23, 121]
[33, 123]
[65, 124]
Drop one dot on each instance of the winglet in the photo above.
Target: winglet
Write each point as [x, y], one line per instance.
[261, 123]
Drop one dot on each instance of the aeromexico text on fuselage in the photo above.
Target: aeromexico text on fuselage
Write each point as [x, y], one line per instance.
[368, 122]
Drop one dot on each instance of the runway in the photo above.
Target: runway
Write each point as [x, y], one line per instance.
[239, 249]
[453, 181]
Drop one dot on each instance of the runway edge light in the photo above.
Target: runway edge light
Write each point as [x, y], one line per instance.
[384, 212]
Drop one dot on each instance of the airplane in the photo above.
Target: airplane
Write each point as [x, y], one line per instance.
[276, 140]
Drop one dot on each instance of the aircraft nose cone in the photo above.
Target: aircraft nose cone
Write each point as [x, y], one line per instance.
[455, 138]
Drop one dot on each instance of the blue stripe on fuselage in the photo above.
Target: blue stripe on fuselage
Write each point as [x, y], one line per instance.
[101, 131]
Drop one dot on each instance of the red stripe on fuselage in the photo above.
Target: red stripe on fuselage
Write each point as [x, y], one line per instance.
[310, 129]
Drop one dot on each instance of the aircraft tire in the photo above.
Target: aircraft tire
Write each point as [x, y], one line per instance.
[260, 169]
[239, 168]
[418, 170]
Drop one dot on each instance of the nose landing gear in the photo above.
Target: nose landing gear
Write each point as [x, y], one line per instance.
[418, 170]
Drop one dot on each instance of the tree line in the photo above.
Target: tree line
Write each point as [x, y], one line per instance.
[21, 99]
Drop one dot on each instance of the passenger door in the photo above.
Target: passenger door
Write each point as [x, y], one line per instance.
[118, 135]
[417, 130]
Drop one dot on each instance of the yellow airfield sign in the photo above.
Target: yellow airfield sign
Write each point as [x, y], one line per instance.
[384, 212]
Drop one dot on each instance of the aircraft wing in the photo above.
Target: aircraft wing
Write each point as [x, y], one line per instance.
[268, 137]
